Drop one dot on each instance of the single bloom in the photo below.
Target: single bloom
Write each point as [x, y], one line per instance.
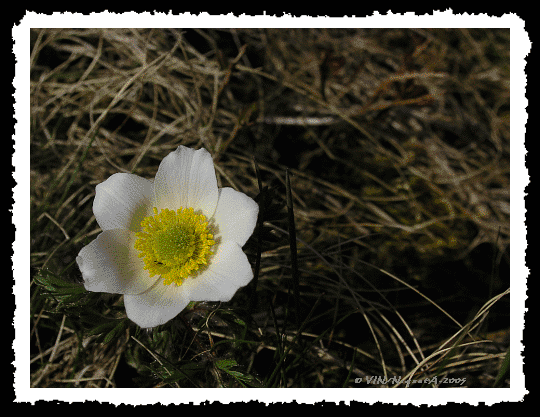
[169, 241]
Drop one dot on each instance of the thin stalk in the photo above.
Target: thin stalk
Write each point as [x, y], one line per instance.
[292, 243]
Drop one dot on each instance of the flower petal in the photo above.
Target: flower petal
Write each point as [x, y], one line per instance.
[187, 178]
[235, 216]
[156, 306]
[122, 201]
[110, 264]
[228, 271]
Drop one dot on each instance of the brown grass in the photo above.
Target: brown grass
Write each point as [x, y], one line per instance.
[398, 146]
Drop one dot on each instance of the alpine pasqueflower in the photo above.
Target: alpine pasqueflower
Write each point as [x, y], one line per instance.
[169, 241]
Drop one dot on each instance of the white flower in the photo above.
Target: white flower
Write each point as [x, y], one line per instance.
[171, 241]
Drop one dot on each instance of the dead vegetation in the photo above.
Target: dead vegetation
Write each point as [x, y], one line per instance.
[397, 141]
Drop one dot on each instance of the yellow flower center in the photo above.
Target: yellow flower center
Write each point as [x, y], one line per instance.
[174, 244]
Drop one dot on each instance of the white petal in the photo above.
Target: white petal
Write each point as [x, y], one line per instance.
[187, 178]
[157, 305]
[235, 216]
[110, 264]
[122, 201]
[228, 271]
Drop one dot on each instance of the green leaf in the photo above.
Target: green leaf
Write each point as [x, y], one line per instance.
[226, 364]
[115, 332]
[503, 371]
[65, 294]
[244, 379]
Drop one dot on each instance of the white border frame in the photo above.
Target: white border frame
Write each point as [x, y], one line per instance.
[520, 48]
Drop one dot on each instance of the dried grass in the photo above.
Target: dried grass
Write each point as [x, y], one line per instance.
[398, 147]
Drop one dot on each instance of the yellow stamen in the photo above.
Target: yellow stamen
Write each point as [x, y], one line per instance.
[175, 244]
